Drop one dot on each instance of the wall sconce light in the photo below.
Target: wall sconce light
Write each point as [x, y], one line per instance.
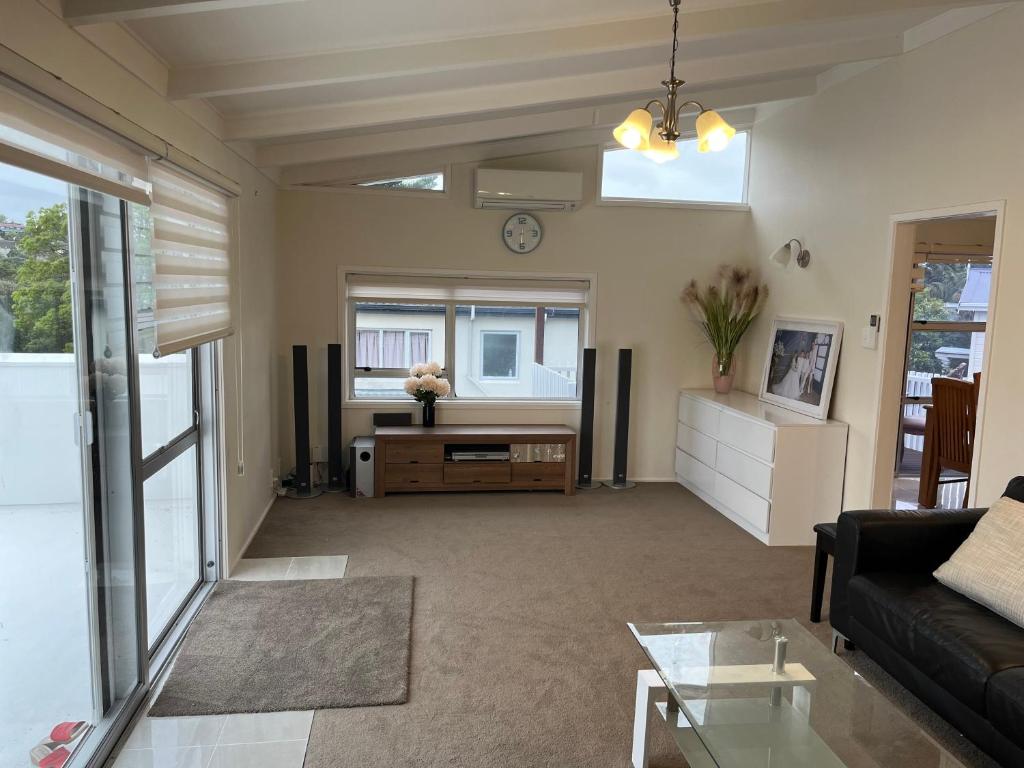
[785, 253]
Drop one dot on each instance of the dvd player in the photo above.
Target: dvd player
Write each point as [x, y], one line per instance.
[481, 455]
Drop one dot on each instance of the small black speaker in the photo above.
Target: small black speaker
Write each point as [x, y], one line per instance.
[385, 419]
[302, 487]
[585, 477]
[621, 453]
[335, 464]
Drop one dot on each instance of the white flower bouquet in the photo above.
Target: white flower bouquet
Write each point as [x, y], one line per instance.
[425, 383]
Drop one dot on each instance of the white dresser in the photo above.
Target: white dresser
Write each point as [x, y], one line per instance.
[773, 472]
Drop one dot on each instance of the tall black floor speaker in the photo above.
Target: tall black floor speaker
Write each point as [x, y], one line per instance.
[585, 477]
[335, 468]
[302, 487]
[619, 480]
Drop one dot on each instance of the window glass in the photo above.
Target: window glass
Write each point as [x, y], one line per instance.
[954, 293]
[712, 177]
[499, 354]
[427, 182]
[397, 336]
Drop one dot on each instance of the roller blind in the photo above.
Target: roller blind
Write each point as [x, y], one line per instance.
[191, 250]
[48, 141]
[545, 291]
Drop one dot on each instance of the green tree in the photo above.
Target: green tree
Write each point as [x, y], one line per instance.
[41, 299]
[924, 344]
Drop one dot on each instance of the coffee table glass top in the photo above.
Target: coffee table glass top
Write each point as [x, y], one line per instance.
[818, 713]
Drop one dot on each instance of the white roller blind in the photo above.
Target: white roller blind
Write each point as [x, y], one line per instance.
[191, 251]
[546, 291]
[47, 141]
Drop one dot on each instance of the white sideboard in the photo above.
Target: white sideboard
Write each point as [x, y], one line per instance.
[773, 472]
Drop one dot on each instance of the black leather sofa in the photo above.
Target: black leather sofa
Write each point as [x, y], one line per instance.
[964, 661]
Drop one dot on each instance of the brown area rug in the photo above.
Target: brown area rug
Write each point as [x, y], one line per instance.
[521, 657]
[266, 646]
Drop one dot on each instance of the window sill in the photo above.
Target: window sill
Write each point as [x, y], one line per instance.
[466, 404]
[614, 202]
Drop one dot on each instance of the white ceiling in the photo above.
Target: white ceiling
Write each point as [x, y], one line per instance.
[335, 81]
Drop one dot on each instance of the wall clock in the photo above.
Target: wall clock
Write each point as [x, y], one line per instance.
[522, 233]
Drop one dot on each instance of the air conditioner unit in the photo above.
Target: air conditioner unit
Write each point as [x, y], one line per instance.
[528, 190]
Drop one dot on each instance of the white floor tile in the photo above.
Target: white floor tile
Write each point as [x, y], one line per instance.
[273, 754]
[318, 567]
[176, 757]
[164, 732]
[266, 726]
[262, 569]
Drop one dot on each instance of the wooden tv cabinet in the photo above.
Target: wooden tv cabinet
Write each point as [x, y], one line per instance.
[417, 459]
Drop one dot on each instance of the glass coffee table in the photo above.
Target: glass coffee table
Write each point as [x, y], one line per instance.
[768, 694]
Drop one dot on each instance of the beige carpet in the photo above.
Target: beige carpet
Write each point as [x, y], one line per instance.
[520, 653]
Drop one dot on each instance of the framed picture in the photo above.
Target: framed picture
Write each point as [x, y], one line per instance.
[801, 364]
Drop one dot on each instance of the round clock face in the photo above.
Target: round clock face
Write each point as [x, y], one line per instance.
[522, 233]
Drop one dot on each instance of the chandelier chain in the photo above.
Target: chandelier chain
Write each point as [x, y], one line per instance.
[675, 38]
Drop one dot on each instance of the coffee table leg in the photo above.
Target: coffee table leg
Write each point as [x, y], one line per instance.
[647, 682]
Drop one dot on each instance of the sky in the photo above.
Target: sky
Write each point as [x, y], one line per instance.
[711, 177]
[24, 191]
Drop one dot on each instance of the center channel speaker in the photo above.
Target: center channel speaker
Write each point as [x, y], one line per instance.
[619, 481]
[586, 463]
[302, 487]
[335, 464]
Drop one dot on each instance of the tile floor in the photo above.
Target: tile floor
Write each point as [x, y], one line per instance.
[260, 740]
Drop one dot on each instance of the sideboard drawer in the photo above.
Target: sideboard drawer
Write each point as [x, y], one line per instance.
[466, 472]
[755, 438]
[699, 475]
[750, 473]
[409, 476]
[414, 452]
[700, 415]
[545, 474]
[747, 505]
[697, 444]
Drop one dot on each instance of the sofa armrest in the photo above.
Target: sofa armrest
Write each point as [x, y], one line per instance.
[911, 541]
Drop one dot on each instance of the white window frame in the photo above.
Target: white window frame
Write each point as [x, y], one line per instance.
[744, 205]
[347, 333]
[515, 374]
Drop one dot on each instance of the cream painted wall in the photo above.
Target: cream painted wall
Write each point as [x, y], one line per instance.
[934, 128]
[642, 258]
[39, 35]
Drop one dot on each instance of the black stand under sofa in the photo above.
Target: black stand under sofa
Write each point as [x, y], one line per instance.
[963, 660]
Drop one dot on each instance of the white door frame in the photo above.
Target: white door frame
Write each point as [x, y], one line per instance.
[895, 338]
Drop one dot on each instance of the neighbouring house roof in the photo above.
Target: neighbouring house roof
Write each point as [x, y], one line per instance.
[975, 294]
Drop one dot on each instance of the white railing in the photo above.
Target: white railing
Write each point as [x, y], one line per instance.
[918, 385]
[554, 383]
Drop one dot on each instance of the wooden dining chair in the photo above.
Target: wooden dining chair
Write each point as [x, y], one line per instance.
[955, 406]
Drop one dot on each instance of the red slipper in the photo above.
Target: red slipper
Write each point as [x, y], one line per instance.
[55, 759]
[64, 732]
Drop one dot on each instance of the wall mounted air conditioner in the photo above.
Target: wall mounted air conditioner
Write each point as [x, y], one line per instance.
[528, 190]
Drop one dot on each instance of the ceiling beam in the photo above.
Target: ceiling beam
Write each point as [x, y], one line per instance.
[505, 128]
[780, 63]
[451, 55]
[80, 12]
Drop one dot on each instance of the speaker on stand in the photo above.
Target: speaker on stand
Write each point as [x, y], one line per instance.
[585, 478]
[302, 487]
[335, 465]
[619, 481]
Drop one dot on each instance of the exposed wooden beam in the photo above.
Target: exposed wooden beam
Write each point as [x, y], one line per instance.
[79, 12]
[408, 60]
[781, 63]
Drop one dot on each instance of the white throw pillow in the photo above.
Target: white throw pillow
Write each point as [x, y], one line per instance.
[989, 566]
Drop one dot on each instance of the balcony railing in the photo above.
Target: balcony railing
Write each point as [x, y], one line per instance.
[553, 382]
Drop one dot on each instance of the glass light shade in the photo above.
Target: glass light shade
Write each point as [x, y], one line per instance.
[660, 150]
[782, 256]
[713, 133]
[635, 131]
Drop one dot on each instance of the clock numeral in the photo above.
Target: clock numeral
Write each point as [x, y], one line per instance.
[522, 219]
[522, 246]
[534, 233]
[508, 233]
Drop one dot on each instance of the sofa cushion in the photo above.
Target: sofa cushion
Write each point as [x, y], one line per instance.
[952, 639]
[989, 566]
[1006, 704]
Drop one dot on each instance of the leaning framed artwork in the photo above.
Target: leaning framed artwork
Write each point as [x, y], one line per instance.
[801, 364]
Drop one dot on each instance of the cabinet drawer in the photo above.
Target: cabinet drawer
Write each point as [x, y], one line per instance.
[697, 444]
[542, 474]
[750, 473]
[465, 472]
[747, 505]
[692, 471]
[411, 475]
[749, 436]
[700, 415]
[414, 452]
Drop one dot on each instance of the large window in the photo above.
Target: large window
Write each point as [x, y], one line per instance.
[693, 177]
[504, 338]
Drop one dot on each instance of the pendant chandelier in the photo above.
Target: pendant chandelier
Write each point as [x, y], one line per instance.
[658, 141]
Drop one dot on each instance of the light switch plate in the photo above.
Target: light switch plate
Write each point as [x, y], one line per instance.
[869, 337]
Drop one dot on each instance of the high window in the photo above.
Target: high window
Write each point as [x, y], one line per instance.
[710, 178]
[424, 182]
[495, 338]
